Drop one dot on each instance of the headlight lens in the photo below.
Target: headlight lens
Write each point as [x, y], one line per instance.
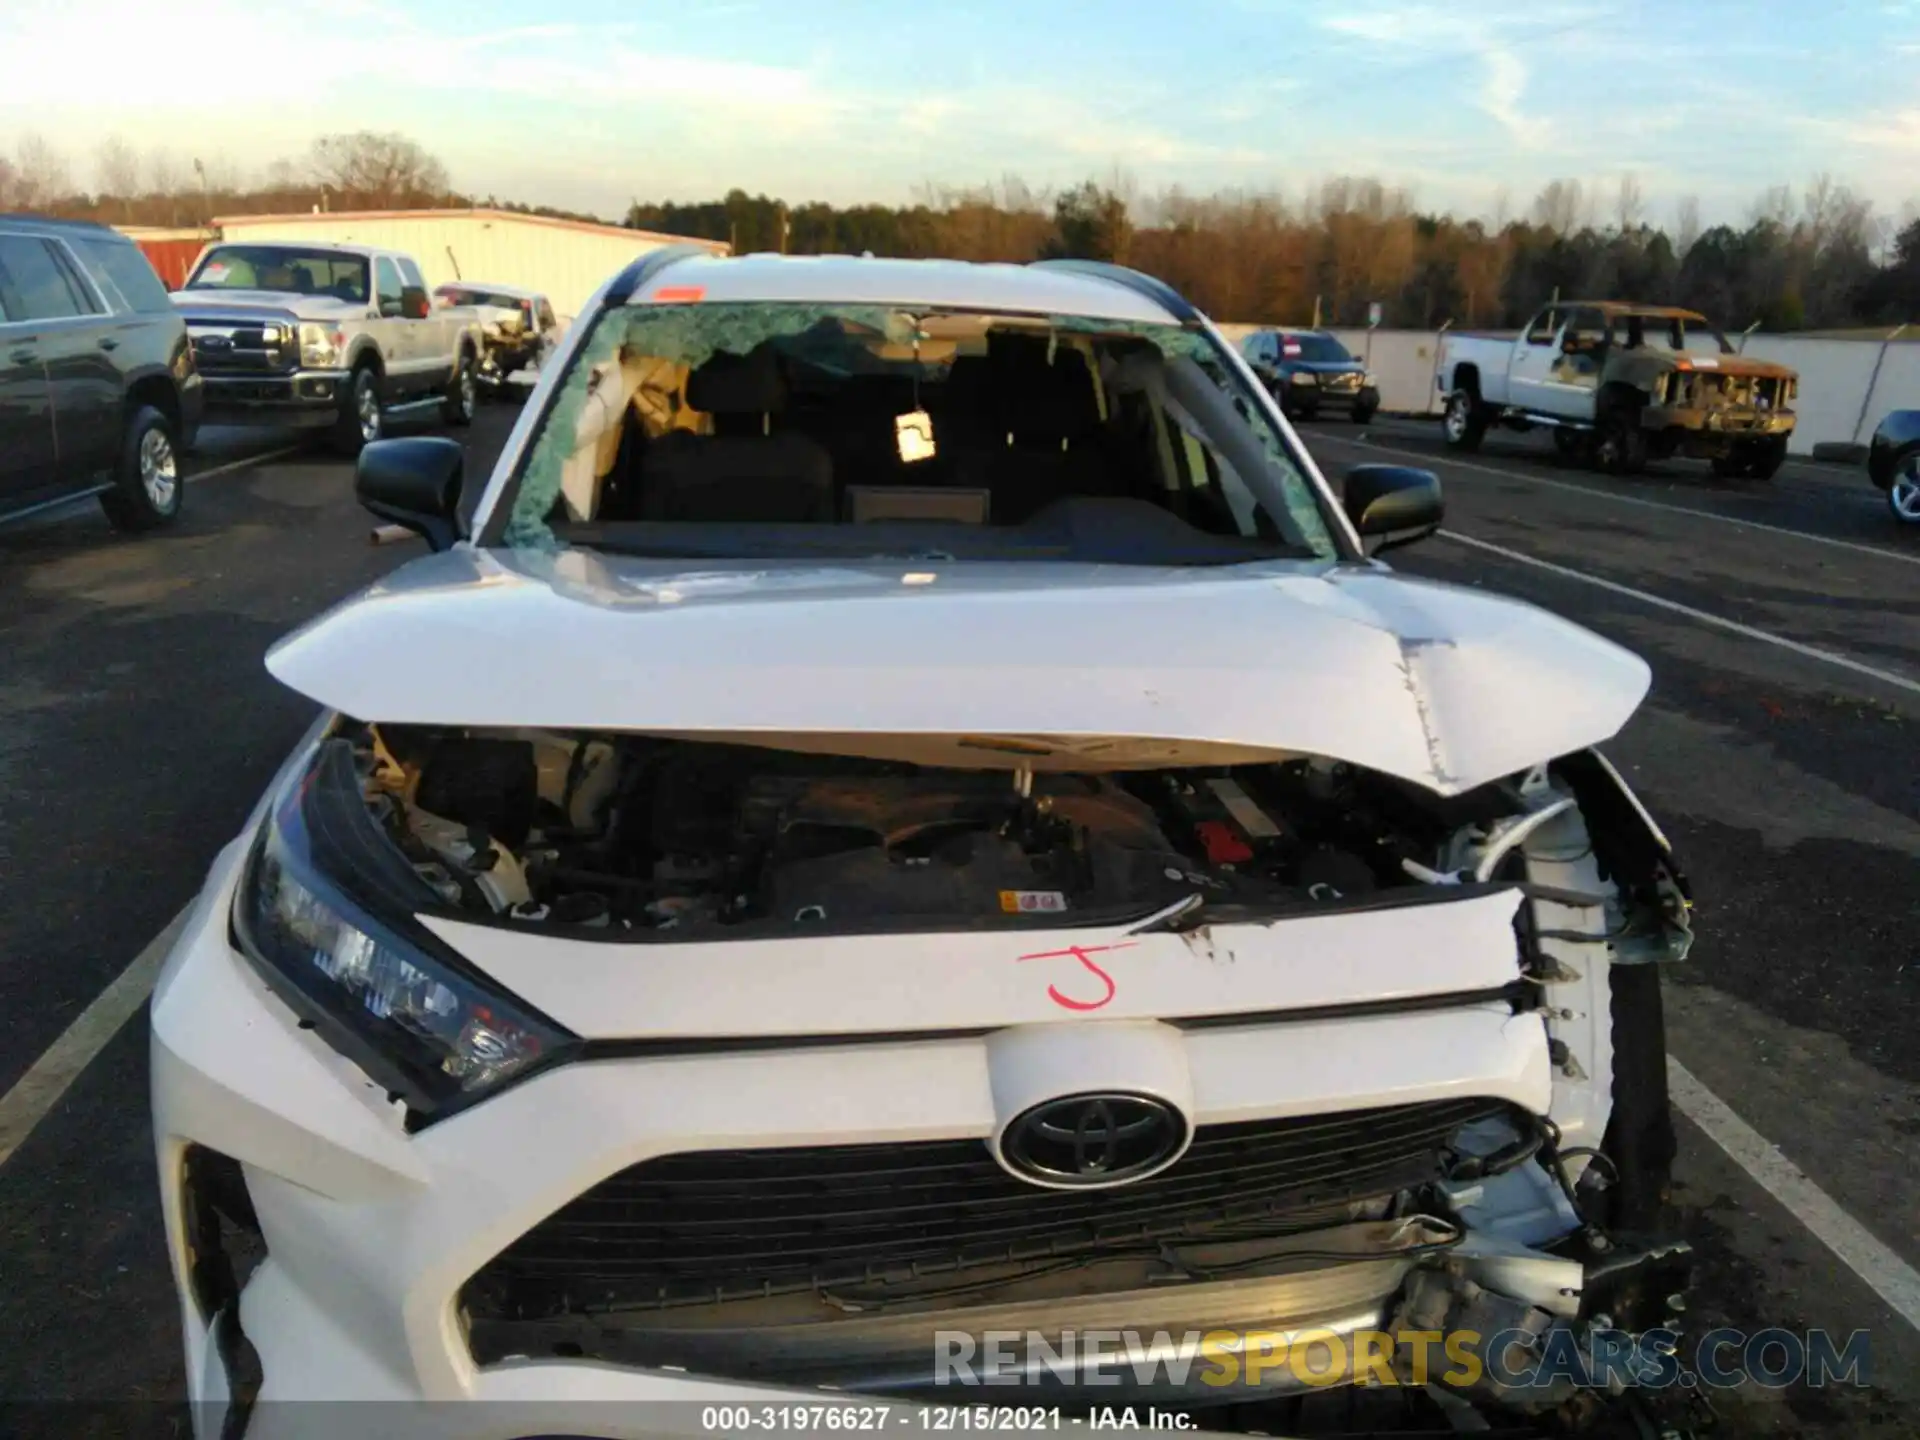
[376, 984]
[1305, 377]
[322, 347]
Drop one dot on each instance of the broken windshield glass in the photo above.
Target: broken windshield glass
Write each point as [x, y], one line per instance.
[772, 412]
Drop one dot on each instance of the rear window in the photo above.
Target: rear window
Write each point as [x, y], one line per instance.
[34, 285]
[459, 295]
[118, 265]
[1320, 349]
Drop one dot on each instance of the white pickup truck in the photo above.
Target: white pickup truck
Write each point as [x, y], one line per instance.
[1621, 384]
[339, 338]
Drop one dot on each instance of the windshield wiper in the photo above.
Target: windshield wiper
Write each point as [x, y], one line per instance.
[1179, 916]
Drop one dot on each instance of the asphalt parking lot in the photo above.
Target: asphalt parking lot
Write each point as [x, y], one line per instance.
[1782, 621]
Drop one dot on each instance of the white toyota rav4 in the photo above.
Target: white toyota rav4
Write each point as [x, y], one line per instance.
[900, 829]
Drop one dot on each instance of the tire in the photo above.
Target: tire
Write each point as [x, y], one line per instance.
[463, 392]
[1622, 448]
[1573, 444]
[360, 421]
[1362, 414]
[1903, 490]
[1465, 420]
[1639, 1139]
[1732, 465]
[147, 488]
[1767, 457]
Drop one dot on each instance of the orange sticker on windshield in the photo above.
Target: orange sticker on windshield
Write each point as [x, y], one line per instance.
[679, 294]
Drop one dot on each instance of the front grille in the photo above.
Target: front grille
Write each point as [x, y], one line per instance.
[726, 1224]
[242, 350]
[1707, 391]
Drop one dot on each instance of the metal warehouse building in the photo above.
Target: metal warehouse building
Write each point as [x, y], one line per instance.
[566, 260]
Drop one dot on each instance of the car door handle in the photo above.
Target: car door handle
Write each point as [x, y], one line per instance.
[109, 343]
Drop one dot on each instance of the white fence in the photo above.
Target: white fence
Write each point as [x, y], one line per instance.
[1846, 386]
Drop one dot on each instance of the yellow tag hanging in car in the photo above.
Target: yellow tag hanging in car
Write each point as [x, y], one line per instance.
[913, 433]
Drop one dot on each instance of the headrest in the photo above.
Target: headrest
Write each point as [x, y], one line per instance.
[1042, 402]
[738, 385]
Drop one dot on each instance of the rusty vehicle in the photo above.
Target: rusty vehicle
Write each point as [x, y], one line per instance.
[1621, 384]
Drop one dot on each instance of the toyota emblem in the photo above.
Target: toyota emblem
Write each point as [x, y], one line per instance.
[1082, 1141]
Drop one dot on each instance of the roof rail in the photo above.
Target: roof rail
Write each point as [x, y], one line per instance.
[645, 267]
[1158, 291]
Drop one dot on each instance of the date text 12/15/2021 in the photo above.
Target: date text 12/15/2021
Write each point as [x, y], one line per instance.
[935, 1419]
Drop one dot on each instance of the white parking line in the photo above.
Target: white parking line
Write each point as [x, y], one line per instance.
[1812, 652]
[1890, 1277]
[242, 463]
[1611, 498]
[39, 1090]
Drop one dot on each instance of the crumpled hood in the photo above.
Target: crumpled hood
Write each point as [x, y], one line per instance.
[232, 306]
[1711, 362]
[1442, 686]
[1445, 687]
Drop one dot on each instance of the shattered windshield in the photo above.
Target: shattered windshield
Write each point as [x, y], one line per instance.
[764, 429]
[274, 267]
[1670, 332]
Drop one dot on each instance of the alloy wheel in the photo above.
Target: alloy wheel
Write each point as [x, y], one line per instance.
[159, 470]
[1903, 496]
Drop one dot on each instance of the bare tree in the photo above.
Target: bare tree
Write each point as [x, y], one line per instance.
[222, 176]
[1629, 203]
[1687, 227]
[41, 177]
[1558, 207]
[370, 168]
[163, 173]
[116, 173]
[1773, 206]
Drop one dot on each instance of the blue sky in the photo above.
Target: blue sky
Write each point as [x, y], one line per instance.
[591, 103]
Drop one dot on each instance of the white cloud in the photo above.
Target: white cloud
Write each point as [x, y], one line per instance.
[1493, 37]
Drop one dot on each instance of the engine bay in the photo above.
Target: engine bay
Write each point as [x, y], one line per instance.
[643, 835]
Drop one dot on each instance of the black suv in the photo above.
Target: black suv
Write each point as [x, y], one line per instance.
[1309, 370]
[98, 392]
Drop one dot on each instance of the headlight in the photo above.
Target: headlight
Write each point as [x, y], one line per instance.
[1304, 377]
[1366, 379]
[326, 911]
[322, 347]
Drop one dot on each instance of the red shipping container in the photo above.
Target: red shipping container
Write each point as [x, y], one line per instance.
[170, 252]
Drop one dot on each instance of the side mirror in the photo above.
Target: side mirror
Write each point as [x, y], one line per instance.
[1392, 500]
[414, 482]
[414, 303]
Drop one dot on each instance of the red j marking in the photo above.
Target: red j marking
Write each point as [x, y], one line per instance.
[1084, 954]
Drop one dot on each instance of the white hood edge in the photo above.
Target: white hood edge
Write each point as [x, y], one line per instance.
[1445, 687]
[886, 984]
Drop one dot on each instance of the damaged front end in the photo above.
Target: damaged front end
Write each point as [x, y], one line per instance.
[1137, 1227]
